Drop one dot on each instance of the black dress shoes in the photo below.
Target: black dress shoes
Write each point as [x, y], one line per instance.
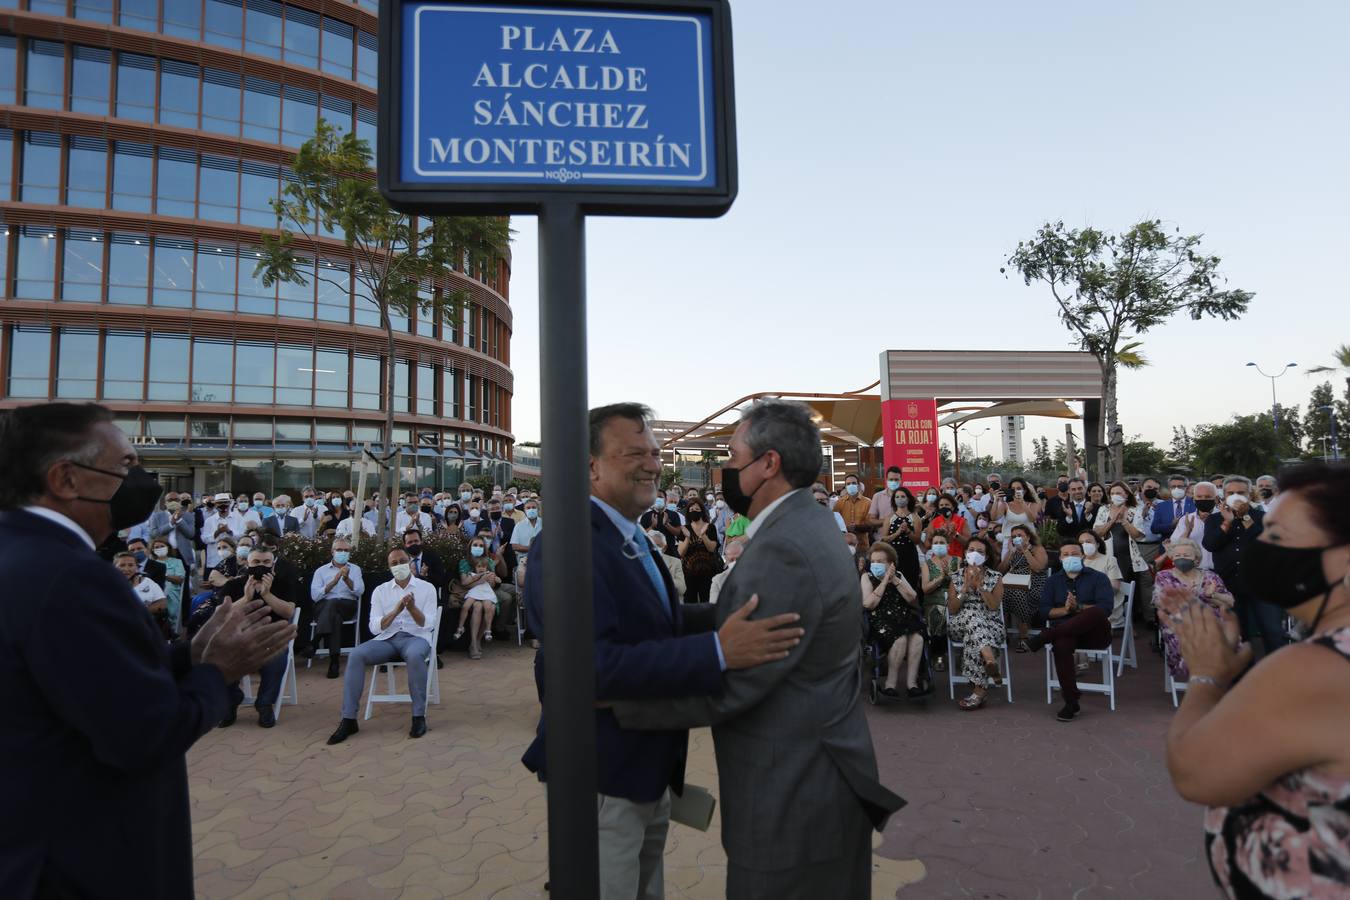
[333, 661]
[266, 717]
[346, 728]
[419, 727]
[230, 717]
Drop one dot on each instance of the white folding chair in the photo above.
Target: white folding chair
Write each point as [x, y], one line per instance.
[290, 689]
[1172, 686]
[391, 695]
[954, 676]
[1126, 656]
[354, 621]
[1106, 686]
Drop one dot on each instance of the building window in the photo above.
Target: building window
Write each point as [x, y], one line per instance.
[366, 383]
[135, 87]
[367, 128]
[46, 74]
[30, 358]
[258, 185]
[77, 364]
[262, 28]
[123, 366]
[337, 48]
[253, 297]
[217, 265]
[302, 37]
[337, 112]
[41, 172]
[82, 266]
[132, 167]
[212, 370]
[140, 14]
[87, 173]
[176, 186]
[299, 115]
[128, 268]
[220, 101]
[254, 372]
[35, 263]
[90, 80]
[169, 367]
[225, 23]
[262, 108]
[219, 189]
[426, 390]
[449, 393]
[294, 299]
[173, 272]
[367, 58]
[330, 377]
[179, 84]
[402, 387]
[295, 375]
[9, 70]
[334, 284]
[183, 18]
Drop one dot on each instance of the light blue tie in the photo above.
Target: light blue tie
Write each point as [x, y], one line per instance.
[649, 564]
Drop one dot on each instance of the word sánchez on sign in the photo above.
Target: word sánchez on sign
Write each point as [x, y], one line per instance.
[618, 107]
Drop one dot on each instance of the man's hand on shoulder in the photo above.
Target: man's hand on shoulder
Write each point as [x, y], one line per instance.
[747, 643]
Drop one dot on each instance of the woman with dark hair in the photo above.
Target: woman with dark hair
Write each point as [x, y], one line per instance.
[893, 618]
[698, 549]
[974, 597]
[1023, 579]
[905, 504]
[899, 534]
[1270, 754]
[949, 523]
[1096, 498]
[1016, 504]
[1119, 523]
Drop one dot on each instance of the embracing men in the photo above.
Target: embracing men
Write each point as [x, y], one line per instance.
[799, 788]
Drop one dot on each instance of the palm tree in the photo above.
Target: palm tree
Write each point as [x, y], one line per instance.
[1342, 355]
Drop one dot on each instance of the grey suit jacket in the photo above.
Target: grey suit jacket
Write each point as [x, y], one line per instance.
[794, 753]
[185, 536]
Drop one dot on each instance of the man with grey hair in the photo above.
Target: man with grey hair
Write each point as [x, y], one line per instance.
[1227, 538]
[1191, 525]
[793, 747]
[336, 590]
[1267, 488]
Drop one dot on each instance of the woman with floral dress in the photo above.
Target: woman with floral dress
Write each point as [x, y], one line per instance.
[975, 600]
[1203, 585]
[1270, 754]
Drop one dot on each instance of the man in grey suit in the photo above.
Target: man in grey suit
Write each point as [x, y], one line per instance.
[799, 786]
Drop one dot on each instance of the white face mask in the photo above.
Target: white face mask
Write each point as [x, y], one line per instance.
[1117, 500]
[161, 552]
[1178, 493]
[401, 573]
[1236, 500]
[1089, 549]
[974, 558]
[474, 514]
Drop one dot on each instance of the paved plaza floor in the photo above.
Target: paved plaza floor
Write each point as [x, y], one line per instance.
[1003, 803]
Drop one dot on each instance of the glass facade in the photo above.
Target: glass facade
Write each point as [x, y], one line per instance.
[147, 185]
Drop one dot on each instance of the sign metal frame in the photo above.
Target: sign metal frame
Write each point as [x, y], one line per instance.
[468, 198]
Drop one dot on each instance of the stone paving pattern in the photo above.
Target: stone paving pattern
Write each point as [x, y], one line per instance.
[1003, 803]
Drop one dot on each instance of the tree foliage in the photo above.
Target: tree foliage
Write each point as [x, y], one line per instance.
[1180, 452]
[1317, 423]
[1143, 457]
[1113, 288]
[1246, 445]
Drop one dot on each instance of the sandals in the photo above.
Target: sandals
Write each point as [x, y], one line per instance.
[1023, 646]
[458, 634]
[992, 670]
[973, 702]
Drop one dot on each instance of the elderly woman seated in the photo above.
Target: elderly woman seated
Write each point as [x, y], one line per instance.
[1203, 585]
[894, 621]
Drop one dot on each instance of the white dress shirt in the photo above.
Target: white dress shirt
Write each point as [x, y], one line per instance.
[211, 522]
[308, 517]
[387, 596]
[764, 514]
[404, 521]
[344, 528]
[63, 520]
[1193, 527]
[147, 591]
[340, 591]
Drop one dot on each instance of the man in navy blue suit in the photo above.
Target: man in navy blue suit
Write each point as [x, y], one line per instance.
[99, 710]
[644, 649]
[1170, 509]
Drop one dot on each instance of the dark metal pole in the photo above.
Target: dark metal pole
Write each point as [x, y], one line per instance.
[569, 636]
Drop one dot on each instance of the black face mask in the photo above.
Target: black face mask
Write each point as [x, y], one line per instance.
[413, 549]
[427, 508]
[1151, 494]
[1063, 486]
[1267, 493]
[1285, 576]
[495, 516]
[259, 571]
[945, 511]
[1204, 506]
[134, 499]
[737, 500]
[695, 516]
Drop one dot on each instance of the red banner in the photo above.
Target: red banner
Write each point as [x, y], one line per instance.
[911, 433]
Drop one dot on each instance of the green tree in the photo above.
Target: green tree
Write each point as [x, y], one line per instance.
[1342, 365]
[1180, 453]
[1040, 454]
[1317, 425]
[1143, 457]
[1246, 445]
[403, 263]
[1113, 288]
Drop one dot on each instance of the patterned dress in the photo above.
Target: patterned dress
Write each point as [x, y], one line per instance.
[1168, 578]
[892, 618]
[1022, 601]
[1290, 840]
[975, 625]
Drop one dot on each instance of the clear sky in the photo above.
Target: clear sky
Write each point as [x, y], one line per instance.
[893, 153]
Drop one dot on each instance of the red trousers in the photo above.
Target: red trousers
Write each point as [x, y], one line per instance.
[1088, 630]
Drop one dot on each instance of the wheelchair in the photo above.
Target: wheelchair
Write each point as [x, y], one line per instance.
[873, 664]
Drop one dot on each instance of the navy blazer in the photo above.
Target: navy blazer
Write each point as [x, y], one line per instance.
[98, 715]
[1165, 515]
[641, 652]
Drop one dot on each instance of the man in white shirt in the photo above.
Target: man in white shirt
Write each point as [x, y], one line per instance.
[1192, 525]
[411, 515]
[336, 591]
[525, 532]
[344, 528]
[402, 618]
[224, 514]
[308, 514]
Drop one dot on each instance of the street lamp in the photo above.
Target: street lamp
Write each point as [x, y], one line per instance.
[1274, 407]
[976, 435]
[1335, 447]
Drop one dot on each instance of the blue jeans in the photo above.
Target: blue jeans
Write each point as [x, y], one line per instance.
[401, 647]
[272, 673]
[1259, 617]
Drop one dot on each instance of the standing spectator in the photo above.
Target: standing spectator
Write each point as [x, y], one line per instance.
[1119, 524]
[732, 552]
[1077, 606]
[1070, 513]
[525, 532]
[974, 598]
[257, 583]
[722, 516]
[1024, 571]
[1228, 537]
[676, 569]
[1174, 508]
[309, 512]
[401, 612]
[231, 565]
[698, 550]
[1201, 585]
[1279, 795]
[1015, 505]
[895, 623]
[908, 555]
[1267, 489]
[224, 515]
[663, 518]
[336, 590]
[410, 515]
[854, 508]
[175, 579]
[1192, 525]
[1149, 545]
[821, 496]
[882, 505]
[183, 537]
[1096, 495]
[283, 520]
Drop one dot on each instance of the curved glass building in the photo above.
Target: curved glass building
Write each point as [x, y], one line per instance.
[140, 144]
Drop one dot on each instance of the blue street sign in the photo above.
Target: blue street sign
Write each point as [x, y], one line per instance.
[519, 100]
